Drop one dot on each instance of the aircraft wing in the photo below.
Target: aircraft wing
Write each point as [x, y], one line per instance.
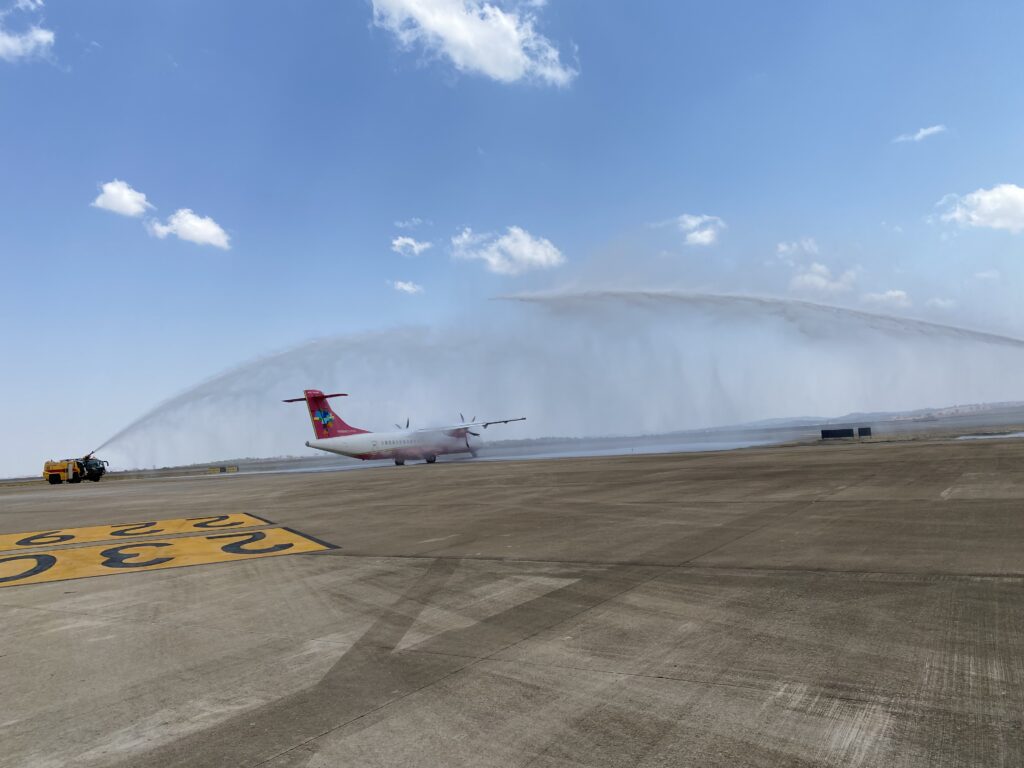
[460, 429]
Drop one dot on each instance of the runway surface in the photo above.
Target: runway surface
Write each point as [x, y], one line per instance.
[836, 605]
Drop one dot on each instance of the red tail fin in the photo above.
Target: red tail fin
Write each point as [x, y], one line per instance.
[326, 423]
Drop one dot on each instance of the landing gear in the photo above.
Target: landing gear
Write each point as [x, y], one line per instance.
[399, 462]
[431, 458]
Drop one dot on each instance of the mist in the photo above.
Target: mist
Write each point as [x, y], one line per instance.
[586, 364]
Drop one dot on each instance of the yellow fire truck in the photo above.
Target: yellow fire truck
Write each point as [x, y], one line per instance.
[74, 470]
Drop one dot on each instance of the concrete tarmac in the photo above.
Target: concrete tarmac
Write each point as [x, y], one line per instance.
[818, 605]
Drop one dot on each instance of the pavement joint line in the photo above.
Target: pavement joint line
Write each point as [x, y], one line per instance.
[886, 698]
[747, 533]
[608, 599]
[687, 564]
[129, 617]
[812, 502]
[160, 622]
[674, 678]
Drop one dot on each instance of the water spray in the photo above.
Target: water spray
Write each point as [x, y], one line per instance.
[592, 364]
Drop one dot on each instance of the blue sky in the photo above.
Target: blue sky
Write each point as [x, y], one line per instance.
[865, 154]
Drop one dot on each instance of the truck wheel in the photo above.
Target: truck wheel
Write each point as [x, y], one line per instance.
[399, 462]
[76, 479]
[431, 458]
[95, 479]
[53, 479]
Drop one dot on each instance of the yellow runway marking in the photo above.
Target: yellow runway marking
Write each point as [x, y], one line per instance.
[151, 555]
[125, 531]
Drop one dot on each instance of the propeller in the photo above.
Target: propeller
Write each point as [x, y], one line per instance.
[468, 431]
[406, 424]
[465, 437]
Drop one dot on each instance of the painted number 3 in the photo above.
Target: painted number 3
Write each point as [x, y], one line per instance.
[118, 557]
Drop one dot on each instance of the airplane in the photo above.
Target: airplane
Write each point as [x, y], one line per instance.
[335, 436]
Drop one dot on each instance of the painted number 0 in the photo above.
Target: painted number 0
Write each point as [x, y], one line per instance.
[43, 563]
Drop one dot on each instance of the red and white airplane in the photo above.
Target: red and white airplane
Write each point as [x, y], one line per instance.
[335, 436]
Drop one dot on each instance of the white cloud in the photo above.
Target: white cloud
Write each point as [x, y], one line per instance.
[700, 229]
[810, 276]
[920, 135]
[937, 303]
[477, 37]
[405, 286]
[891, 298]
[34, 42]
[514, 252]
[817, 278]
[988, 274]
[412, 223]
[186, 225]
[119, 197]
[803, 245]
[1001, 207]
[28, 5]
[408, 246]
[706, 236]
[789, 253]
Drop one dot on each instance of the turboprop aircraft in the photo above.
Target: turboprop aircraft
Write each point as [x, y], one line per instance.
[335, 436]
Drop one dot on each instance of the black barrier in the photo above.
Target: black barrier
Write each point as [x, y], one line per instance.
[831, 434]
[863, 431]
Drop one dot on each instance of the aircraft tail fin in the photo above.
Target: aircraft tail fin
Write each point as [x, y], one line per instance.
[326, 423]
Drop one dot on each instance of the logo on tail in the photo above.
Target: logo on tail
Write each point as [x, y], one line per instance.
[324, 417]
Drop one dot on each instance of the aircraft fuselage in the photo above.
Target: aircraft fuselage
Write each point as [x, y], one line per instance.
[406, 444]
